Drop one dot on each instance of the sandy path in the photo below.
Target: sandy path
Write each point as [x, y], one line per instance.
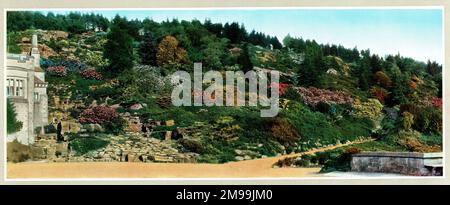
[257, 168]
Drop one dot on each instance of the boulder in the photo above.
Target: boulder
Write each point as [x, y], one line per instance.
[136, 106]
[170, 123]
[168, 135]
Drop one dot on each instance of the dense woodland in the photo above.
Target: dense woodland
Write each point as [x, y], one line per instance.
[330, 94]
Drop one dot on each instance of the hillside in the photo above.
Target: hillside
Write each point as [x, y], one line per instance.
[110, 86]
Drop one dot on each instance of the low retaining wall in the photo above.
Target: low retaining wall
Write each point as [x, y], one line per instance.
[409, 163]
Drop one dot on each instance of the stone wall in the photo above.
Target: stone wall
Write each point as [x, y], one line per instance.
[408, 163]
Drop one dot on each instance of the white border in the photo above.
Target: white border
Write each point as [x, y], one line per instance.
[254, 179]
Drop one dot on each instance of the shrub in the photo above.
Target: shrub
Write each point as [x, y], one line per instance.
[291, 94]
[192, 145]
[283, 131]
[379, 93]
[408, 120]
[84, 145]
[383, 79]
[91, 74]
[426, 119]
[98, 114]
[17, 152]
[371, 109]
[59, 71]
[71, 65]
[436, 102]
[282, 87]
[337, 159]
[286, 162]
[106, 116]
[312, 96]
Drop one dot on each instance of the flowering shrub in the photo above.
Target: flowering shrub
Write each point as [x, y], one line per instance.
[436, 102]
[105, 116]
[379, 94]
[282, 87]
[71, 65]
[371, 109]
[99, 114]
[312, 96]
[59, 71]
[91, 74]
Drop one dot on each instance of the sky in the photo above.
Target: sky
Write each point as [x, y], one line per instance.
[412, 32]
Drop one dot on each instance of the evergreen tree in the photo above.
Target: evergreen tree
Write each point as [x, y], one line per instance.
[119, 48]
[13, 125]
[275, 43]
[148, 49]
[244, 59]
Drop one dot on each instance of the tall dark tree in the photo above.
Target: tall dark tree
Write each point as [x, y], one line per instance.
[313, 66]
[375, 64]
[119, 47]
[275, 43]
[244, 59]
[234, 32]
[13, 125]
[148, 49]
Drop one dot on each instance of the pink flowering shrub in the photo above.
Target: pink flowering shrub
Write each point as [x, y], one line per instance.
[313, 96]
[91, 74]
[99, 114]
[59, 71]
[105, 116]
[436, 102]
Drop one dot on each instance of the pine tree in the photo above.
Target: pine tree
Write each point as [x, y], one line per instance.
[148, 49]
[13, 125]
[119, 47]
[244, 59]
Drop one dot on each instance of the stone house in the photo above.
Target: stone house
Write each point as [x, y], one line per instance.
[27, 90]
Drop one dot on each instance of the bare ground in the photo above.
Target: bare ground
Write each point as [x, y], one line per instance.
[257, 168]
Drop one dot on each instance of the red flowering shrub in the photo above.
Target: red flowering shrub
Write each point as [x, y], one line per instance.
[282, 87]
[312, 96]
[436, 102]
[379, 93]
[412, 84]
[91, 74]
[99, 114]
[59, 71]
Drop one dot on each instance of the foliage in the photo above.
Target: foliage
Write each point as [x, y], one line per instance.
[148, 49]
[83, 145]
[284, 132]
[379, 93]
[372, 108]
[382, 79]
[13, 125]
[408, 120]
[98, 114]
[91, 74]
[59, 71]
[106, 116]
[244, 59]
[336, 160]
[170, 55]
[70, 65]
[17, 152]
[312, 96]
[119, 47]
